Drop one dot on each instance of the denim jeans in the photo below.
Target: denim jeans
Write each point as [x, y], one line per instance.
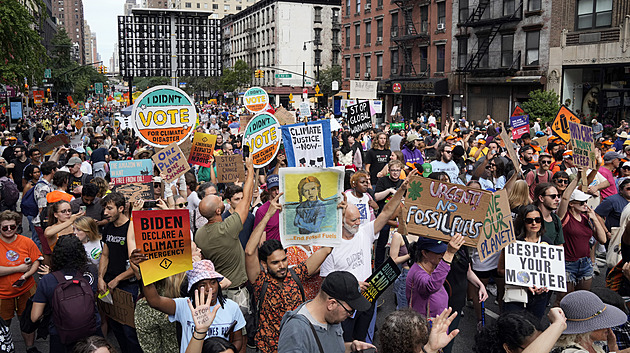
[579, 270]
[31, 229]
[400, 286]
[126, 335]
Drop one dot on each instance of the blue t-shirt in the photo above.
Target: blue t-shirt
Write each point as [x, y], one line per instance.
[610, 209]
[98, 155]
[222, 322]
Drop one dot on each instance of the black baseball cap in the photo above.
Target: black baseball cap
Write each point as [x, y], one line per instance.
[342, 285]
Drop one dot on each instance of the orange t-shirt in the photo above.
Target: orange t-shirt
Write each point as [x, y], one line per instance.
[11, 255]
[58, 195]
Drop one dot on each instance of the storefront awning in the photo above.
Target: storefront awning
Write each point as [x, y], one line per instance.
[427, 86]
[507, 79]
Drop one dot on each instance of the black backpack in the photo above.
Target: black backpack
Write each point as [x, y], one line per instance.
[73, 311]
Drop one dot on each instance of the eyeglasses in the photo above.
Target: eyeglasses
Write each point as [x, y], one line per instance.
[533, 220]
[553, 196]
[12, 227]
[350, 312]
[562, 181]
[182, 204]
[65, 211]
[545, 162]
[394, 170]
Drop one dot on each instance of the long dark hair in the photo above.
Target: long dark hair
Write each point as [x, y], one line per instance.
[217, 345]
[519, 222]
[220, 298]
[511, 329]
[52, 209]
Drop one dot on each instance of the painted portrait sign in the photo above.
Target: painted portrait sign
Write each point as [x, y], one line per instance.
[310, 215]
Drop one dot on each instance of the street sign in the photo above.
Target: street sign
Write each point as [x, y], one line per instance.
[284, 75]
[47, 73]
[48, 85]
[290, 96]
[561, 123]
[98, 88]
[317, 94]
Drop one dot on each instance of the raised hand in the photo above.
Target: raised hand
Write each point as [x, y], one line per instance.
[203, 315]
[439, 336]
[456, 242]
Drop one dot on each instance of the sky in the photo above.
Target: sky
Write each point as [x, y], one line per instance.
[102, 16]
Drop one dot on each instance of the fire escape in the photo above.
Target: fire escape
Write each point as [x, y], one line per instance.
[491, 27]
[407, 37]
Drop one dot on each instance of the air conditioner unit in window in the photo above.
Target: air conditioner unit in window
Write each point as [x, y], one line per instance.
[394, 71]
[357, 75]
[367, 75]
[368, 6]
[379, 39]
[441, 26]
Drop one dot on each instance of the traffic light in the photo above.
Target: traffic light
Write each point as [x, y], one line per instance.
[104, 69]
[259, 74]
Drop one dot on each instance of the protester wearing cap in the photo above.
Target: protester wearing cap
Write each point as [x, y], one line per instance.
[607, 187]
[588, 320]
[425, 281]
[541, 175]
[413, 149]
[621, 138]
[338, 300]
[624, 172]
[77, 177]
[479, 148]
[202, 278]
[273, 225]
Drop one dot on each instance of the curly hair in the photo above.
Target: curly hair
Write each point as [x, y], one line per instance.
[69, 254]
[102, 184]
[92, 344]
[511, 329]
[354, 179]
[403, 332]
[9, 215]
[310, 179]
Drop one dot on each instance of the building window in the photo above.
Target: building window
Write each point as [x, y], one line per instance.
[379, 66]
[335, 16]
[226, 7]
[507, 50]
[379, 30]
[379, 3]
[357, 34]
[368, 32]
[594, 13]
[318, 36]
[462, 52]
[424, 59]
[358, 6]
[463, 11]
[533, 5]
[347, 7]
[198, 5]
[335, 58]
[188, 5]
[424, 19]
[239, 8]
[508, 7]
[481, 42]
[532, 43]
[347, 67]
[357, 66]
[348, 37]
[439, 63]
[368, 66]
[368, 5]
[318, 15]
[335, 37]
[394, 63]
[215, 6]
[442, 12]
[394, 29]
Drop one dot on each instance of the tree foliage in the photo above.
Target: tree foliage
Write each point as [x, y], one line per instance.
[234, 77]
[542, 104]
[327, 76]
[199, 85]
[21, 52]
[144, 83]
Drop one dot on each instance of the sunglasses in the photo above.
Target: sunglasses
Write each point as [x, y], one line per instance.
[553, 196]
[182, 204]
[581, 203]
[562, 181]
[545, 162]
[626, 168]
[350, 312]
[448, 151]
[533, 220]
[157, 185]
[12, 227]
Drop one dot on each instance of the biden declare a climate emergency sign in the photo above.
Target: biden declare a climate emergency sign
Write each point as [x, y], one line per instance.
[163, 115]
[164, 237]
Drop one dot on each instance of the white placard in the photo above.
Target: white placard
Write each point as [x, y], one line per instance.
[345, 103]
[363, 89]
[305, 109]
[394, 110]
[377, 106]
[533, 264]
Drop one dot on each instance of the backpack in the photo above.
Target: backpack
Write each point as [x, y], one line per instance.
[29, 204]
[73, 310]
[9, 194]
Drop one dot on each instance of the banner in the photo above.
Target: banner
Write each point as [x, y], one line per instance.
[263, 136]
[376, 107]
[520, 125]
[171, 162]
[136, 191]
[164, 237]
[583, 145]
[533, 264]
[52, 142]
[122, 309]
[363, 89]
[308, 145]
[310, 215]
[359, 117]
[381, 279]
[400, 126]
[498, 230]
[438, 210]
[132, 171]
[202, 149]
[230, 168]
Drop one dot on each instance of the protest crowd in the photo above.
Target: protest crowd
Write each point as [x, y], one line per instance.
[91, 216]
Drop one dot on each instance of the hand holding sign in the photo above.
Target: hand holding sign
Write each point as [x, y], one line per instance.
[203, 315]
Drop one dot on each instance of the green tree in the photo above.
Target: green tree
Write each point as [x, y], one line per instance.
[327, 76]
[21, 53]
[144, 83]
[542, 104]
[234, 77]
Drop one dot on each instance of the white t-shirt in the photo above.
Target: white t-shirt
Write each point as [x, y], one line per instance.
[353, 255]
[93, 249]
[367, 213]
[449, 168]
[222, 322]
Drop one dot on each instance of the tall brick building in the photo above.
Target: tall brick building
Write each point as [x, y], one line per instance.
[69, 14]
[590, 57]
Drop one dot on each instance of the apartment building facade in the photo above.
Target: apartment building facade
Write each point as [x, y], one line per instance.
[69, 14]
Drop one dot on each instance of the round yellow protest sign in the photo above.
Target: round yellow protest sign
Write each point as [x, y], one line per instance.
[163, 115]
[256, 99]
[263, 136]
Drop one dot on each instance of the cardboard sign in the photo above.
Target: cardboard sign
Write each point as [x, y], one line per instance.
[439, 210]
[230, 168]
[202, 149]
[394, 110]
[542, 142]
[164, 237]
[163, 115]
[52, 142]
[133, 171]
[255, 99]
[136, 191]
[560, 124]
[583, 145]
[533, 264]
[308, 145]
[498, 230]
[122, 309]
[310, 215]
[359, 117]
[76, 143]
[381, 279]
[263, 136]
[520, 125]
[186, 146]
[171, 162]
[243, 121]
[284, 116]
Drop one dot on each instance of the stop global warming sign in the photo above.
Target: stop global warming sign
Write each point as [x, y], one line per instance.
[359, 117]
[163, 115]
[263, 136]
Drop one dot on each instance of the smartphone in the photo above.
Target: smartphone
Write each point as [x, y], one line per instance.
[245, 151]
[150, 204]
[19, 283]
[82, 209]
[368, 350]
